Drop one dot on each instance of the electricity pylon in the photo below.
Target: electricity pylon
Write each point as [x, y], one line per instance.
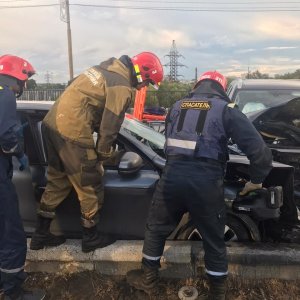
[173, 63]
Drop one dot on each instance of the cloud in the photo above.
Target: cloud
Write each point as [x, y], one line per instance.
[245, 50]
[280, 48]
[278, 26]
[228, 42]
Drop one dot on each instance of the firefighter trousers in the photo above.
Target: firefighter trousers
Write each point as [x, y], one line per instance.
[71, 166]
[193, 186]
[13, 244]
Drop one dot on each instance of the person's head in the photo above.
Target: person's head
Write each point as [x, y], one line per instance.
[148, 70]
[15, 71]
[214, 76]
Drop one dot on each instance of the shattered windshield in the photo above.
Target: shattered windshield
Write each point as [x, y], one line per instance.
[144, 134]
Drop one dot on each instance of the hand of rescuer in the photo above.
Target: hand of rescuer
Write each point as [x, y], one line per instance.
[100, 168]
[249, 186]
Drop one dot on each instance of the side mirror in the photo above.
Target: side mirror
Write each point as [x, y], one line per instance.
[130, 163]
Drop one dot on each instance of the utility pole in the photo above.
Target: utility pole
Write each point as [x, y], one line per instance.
[65, 17]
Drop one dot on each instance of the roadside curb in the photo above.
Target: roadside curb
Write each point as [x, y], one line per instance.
[181, 259]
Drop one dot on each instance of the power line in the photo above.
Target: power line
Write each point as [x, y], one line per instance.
[14, 1]
[207, 2]
[28, 6]
[184, 2]
[262, 9]
[184, 9]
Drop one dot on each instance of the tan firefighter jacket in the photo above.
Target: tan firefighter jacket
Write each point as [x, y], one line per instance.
[95, 101]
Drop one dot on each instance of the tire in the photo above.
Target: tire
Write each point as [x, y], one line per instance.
[235, 231]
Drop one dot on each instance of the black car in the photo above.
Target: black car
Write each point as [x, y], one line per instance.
[273, 106]
[130, 179]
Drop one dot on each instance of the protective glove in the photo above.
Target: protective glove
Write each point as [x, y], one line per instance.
[249, 186]
[23, 160]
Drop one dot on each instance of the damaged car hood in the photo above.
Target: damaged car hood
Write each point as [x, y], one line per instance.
[279, 125]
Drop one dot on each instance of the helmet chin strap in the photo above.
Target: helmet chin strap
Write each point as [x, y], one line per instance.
[14, 84]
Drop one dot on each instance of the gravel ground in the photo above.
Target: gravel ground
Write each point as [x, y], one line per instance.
[92, 285]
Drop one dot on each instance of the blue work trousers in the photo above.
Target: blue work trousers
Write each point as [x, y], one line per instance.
[194, 186]
[13, 245]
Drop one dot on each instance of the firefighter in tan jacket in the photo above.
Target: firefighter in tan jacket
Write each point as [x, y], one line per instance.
[96, 101]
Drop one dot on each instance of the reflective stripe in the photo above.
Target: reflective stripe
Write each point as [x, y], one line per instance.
[216, 273]
[231, 105]
[12, 270]
[46, 214]
[12, 150]
[181, 143]
[151, 257]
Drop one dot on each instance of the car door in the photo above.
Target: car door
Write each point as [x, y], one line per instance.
[127, 196]
[23, 179]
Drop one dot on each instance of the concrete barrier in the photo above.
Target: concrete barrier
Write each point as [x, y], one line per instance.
[181, 259]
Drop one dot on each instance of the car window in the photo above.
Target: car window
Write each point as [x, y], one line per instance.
[254, 100]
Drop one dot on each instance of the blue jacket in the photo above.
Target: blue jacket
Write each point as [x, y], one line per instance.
[207, 136]
[8, 123]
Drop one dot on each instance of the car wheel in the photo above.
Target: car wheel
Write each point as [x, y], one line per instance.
[235, 231]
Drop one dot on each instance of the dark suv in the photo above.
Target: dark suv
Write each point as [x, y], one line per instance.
[274, 108]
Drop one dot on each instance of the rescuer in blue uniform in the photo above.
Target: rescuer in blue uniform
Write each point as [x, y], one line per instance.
[14, 71]
[197, 131]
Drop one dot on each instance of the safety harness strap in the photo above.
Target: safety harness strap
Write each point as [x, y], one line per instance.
[181, 119]
[201, 121]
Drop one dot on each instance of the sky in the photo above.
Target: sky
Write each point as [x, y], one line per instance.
[230, 36]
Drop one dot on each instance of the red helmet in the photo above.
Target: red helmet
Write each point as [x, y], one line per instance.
[15, 66]
[216, 76]
[148, 66]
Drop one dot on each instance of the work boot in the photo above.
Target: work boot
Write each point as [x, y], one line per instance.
[217, 287]
[43, 237]
[145, 279]
[92, 239]
[26, 295]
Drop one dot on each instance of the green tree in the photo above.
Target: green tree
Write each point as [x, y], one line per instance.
[170, 92]
[51, 86]
[256, 75]
[31, 84]
[294, 75]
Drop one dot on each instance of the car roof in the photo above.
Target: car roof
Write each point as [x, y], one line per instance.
[267, 84]
[39, 105]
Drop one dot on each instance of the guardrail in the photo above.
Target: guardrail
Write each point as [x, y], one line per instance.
[38, 95]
